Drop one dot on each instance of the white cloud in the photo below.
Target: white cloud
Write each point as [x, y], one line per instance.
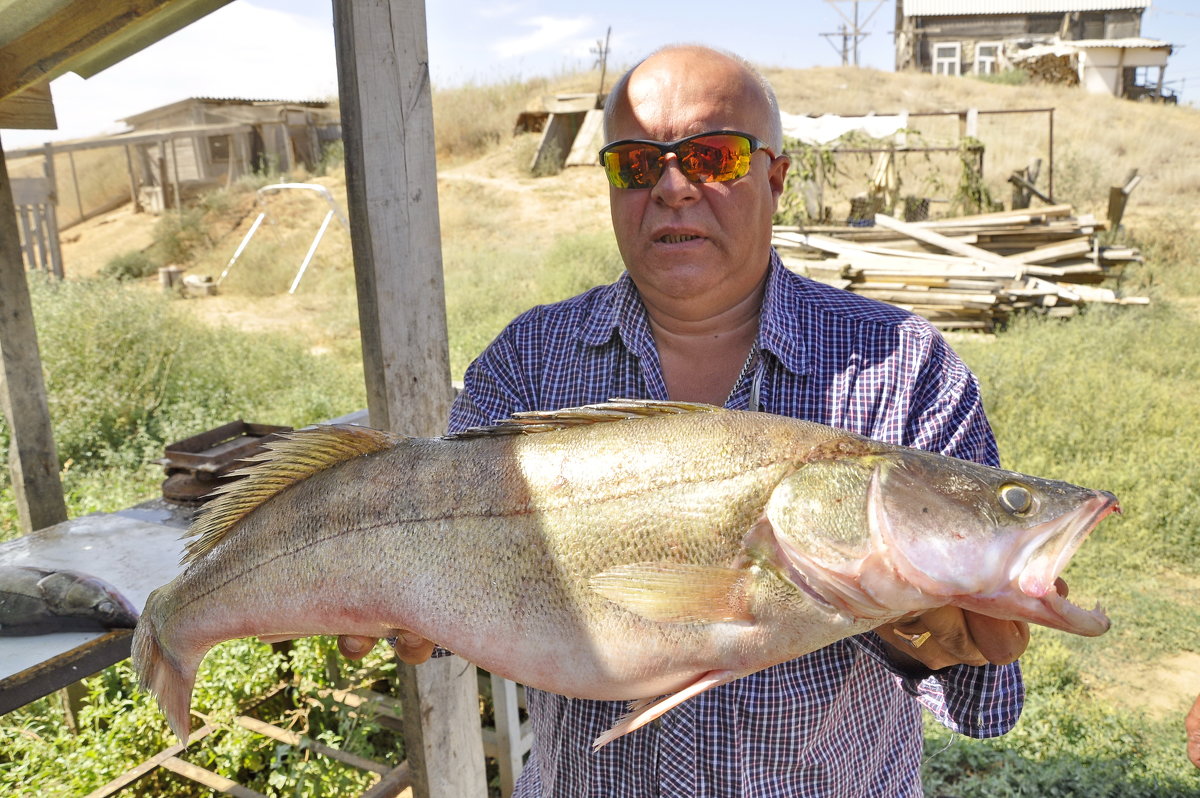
[495, 10]
[550, 33]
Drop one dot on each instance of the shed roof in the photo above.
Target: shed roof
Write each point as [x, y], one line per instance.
[1132, 43]
[220, 101]
[941, 8]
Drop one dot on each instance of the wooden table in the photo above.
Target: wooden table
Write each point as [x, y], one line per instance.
[135, 550]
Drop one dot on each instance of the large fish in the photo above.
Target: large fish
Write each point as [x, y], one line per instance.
[35, 601]
[624, 551]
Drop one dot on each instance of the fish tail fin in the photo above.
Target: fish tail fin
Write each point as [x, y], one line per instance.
[159, 674]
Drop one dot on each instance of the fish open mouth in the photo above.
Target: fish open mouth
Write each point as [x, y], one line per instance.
[1039, 564]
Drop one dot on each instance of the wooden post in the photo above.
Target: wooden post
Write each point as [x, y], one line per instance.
[134, 197]
[32, 458]
[175, 173]
[75, 183]
[391, 188]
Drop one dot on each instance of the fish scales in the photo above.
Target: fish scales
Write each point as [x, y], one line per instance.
[607, 559]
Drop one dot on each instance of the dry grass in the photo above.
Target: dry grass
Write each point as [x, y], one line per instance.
[1097, 139]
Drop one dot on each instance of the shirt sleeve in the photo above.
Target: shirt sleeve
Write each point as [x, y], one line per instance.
[494, 386]
[947, 410]
[947, 416]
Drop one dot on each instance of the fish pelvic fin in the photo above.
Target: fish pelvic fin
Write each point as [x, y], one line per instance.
[642, 712]
[170, 684]
[678, 592]
[292, 458]
[534, 421]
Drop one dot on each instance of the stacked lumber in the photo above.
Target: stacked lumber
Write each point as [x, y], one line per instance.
[970, 272]
[1058, 70]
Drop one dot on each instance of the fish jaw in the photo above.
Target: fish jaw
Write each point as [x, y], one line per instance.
[1031, 593]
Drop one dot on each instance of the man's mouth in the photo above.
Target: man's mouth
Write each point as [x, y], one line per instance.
[676, 239]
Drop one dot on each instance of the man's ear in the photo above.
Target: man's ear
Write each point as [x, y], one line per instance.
[776, 175]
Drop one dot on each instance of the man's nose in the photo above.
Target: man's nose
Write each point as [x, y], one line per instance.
[673, 187]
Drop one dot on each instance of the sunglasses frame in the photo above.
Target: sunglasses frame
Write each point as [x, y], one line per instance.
[666, 147]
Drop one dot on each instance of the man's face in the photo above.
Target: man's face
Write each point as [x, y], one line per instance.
[693, 246]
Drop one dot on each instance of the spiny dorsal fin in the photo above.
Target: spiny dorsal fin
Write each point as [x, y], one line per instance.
[295, 456]
[533, 421]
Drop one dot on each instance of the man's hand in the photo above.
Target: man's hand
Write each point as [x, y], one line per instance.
[950, 636]
[409, 647]
[1192, 724]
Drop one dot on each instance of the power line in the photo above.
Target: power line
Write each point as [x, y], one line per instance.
[854, 34]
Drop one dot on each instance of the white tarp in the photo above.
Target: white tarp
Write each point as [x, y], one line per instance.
[830, 127]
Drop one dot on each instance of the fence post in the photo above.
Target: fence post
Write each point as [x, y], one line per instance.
[32, 458]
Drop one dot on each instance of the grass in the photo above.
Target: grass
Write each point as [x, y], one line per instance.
[1105, 399]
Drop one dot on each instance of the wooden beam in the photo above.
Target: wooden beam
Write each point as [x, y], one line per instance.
[30, 109]
[391, 188]
[37, 55]
[943, 242]
[32, 457]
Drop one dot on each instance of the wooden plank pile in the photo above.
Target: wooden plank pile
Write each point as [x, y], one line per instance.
[971, 272]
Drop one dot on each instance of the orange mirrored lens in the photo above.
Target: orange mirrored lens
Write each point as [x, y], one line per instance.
[707, 158]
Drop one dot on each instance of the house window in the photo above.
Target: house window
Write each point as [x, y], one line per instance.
[987, 58]
[946, 58]
[218, 149]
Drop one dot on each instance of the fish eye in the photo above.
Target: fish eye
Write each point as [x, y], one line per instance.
[1015, 498]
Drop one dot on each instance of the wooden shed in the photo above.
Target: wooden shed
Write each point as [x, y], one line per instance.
[282, 134]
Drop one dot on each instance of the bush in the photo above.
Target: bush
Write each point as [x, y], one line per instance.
[132, 265]
[123, 383]
[178, 235]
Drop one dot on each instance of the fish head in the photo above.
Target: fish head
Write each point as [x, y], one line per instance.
[75, 594]
[890, 533]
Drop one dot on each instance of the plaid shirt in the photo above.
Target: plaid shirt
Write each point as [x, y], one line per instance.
[839, 721]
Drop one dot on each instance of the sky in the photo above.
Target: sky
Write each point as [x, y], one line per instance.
[283, 49]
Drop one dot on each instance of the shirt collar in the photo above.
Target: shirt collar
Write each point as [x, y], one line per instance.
[779, 330]
[621, 312]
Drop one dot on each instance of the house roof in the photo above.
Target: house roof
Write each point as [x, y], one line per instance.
[942, 8]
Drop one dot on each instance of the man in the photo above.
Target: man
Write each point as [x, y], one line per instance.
[1192, 726]
[707, 313]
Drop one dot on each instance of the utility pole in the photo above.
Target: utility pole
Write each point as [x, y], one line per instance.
[855, 33]
[601, 52]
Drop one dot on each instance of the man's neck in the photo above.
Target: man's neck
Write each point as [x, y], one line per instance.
[702, 356]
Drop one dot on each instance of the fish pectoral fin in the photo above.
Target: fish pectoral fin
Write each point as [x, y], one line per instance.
[642, 712]
[678, 592]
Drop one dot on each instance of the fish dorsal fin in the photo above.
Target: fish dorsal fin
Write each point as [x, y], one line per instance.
[533, 421]
[293, 457]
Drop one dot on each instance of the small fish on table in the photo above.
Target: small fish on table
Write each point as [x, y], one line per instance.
[36, 601]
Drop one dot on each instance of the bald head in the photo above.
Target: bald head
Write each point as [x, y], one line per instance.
[667, 84]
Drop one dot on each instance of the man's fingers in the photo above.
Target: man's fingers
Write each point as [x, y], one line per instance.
[1192, 724]
[1000, 642]
[412, 648]
[949, 630]
[354, 646]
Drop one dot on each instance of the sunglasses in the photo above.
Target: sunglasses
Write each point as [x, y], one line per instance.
[712, 157]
